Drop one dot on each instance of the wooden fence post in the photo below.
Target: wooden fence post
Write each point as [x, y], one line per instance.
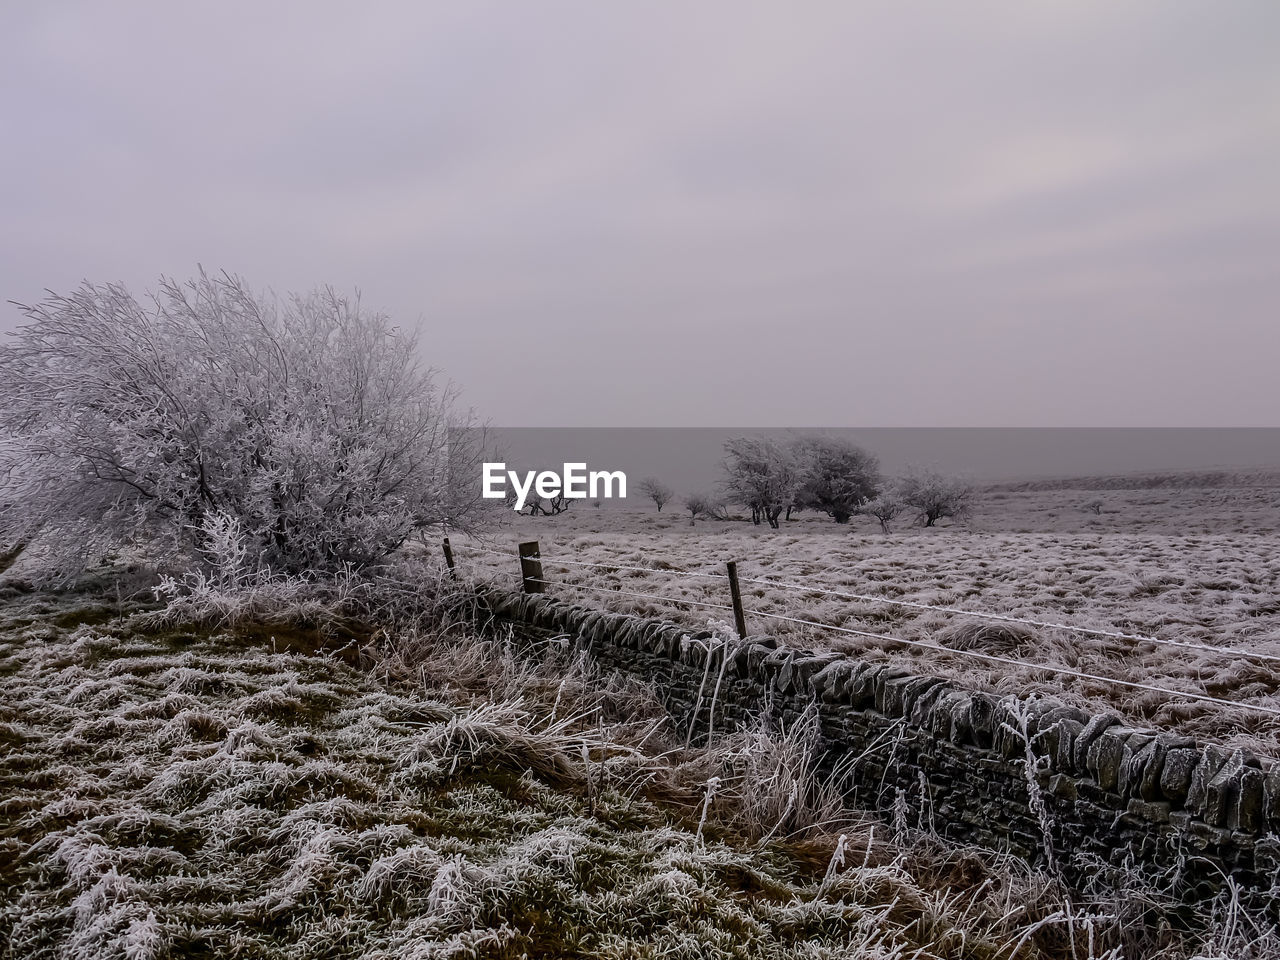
[739, 618]
[531, 567]
[448, 556]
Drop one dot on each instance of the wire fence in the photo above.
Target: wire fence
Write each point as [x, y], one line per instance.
[531, 576]
[630, 593]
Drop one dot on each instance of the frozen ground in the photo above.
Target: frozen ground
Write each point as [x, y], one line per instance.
[1192, 564]
[168, 791]
[174, 794]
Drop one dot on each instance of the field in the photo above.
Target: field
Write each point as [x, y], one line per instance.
[171, 790]
[1198, 565]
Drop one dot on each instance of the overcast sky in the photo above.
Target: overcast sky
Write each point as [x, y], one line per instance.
[676, 213]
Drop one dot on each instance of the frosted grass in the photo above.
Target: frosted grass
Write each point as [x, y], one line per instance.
[169, 793]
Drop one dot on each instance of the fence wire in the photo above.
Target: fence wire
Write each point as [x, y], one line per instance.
[994, 658]
[791, 586]
[630, 593]
[939, 608]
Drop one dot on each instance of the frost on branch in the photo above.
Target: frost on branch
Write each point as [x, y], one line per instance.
[310, 423]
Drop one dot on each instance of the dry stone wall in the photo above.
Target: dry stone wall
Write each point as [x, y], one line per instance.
[1115, 798]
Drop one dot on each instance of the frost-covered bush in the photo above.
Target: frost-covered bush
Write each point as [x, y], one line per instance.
[698, 505]
[936, 497]
[308, 421]
[651, 488]
[763, 475]
[839, 477]
[884, 508]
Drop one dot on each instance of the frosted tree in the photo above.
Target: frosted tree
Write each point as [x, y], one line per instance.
[934, 496]
[657, 491]
[763, 475]
[838, 476]
[310, 422]
[884, 508]
[698, 504]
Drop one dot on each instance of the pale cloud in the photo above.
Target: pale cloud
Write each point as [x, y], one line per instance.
[725, 212]
[1030, 166]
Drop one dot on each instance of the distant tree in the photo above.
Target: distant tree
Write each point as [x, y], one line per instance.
[934, 496]
[536, 506]
[309, 425]
[838, 476]
[763, 475]
[698, 504]
[718, 509]
[884, 508]
[657, 491]
[1094, 507]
